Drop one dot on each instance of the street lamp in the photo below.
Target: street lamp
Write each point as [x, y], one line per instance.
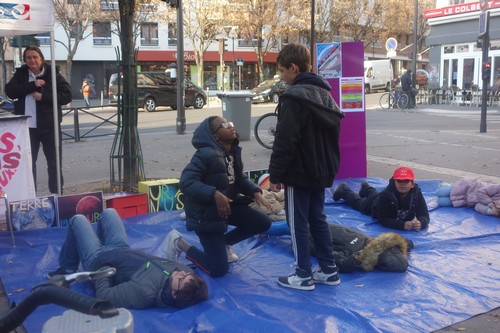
[231, 32]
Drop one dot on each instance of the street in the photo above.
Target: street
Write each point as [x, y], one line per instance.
[438, 141]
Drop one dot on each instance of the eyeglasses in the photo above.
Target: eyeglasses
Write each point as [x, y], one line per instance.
[179, 282]
[225, 125]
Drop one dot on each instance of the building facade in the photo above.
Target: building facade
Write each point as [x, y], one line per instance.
[97, 56]
[454, 56]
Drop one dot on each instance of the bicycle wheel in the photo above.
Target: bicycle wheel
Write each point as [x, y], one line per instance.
[403, 101]
[386, 100]
[265, 129]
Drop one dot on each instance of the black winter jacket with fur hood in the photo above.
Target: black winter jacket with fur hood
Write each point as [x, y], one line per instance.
[354, 250]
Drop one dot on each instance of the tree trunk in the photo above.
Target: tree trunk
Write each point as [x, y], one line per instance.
[129, 101]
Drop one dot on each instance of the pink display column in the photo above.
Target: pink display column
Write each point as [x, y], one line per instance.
[348, 92]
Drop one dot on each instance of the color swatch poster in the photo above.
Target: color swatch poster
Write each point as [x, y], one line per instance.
[351, 94]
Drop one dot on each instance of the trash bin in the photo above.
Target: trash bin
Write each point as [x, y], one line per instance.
[236, 107]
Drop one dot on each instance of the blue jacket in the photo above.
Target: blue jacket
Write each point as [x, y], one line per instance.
[306, 149]
[206, 173]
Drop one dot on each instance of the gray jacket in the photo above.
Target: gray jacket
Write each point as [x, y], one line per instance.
[141, 279]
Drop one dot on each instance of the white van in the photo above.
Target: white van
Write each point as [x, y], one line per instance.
[378, 75]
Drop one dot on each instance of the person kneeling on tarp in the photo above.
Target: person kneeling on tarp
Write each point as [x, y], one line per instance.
[141, 280]
[354, 250]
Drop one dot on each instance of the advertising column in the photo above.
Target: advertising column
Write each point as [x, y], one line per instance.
[341, 64]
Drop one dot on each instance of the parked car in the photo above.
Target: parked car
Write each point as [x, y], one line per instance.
[6, 104]
[422, 77]
[158, 89]
[268, 91]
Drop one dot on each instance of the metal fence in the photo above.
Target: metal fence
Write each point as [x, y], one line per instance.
[87, 122]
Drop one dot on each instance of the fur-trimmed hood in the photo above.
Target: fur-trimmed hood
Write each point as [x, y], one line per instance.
[388, 250]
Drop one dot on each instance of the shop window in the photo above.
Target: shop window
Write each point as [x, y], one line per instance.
[102, 33]
[76, 29]
[464, 48]
[43, 38]
[172, 34]
[210, 77]
[149, 34]
[495, 44]
[107, 5]
[449, 49]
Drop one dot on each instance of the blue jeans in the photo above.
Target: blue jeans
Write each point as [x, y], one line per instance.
[213, 258]
[84, 245]
[443, 194]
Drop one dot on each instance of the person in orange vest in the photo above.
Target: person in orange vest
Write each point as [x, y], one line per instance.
[86, 92]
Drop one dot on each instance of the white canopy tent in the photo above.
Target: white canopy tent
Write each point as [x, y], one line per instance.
[28, 17]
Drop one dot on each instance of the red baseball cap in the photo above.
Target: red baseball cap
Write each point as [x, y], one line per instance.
[403, 173]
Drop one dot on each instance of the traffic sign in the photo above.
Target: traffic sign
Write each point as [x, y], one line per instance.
[483, 23]
[391, 44]
[391, 54]
[483, 4]
[239, 61]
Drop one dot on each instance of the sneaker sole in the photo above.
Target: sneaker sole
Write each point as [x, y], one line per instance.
[332, 283]
[308, 288]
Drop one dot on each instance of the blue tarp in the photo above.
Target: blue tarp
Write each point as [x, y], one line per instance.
[453, 275]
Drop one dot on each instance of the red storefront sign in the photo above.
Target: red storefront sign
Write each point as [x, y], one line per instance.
[209, 56]
[459, 9]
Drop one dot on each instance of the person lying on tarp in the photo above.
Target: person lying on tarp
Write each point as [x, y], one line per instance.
[354, 250]
[401, 205]
[471, 192]
[141, 280]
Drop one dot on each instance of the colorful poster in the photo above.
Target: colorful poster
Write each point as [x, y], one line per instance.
[163, 194]
[16, 176]
[89, 204]
[351, 94]
[434, 77]
[329, 59]
[34, 213]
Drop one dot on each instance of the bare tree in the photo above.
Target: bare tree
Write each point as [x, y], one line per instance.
[76, 19]
[4, 43]
[203, 21]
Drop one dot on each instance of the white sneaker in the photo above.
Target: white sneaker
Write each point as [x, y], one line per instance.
[231, 256]
[297, 280]
[331, 278]
[173, 251]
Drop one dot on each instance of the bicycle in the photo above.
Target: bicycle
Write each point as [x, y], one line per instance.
[394, 99]
[56, 291]
[265, 129]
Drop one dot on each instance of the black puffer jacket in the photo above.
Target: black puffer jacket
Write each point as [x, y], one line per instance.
[19, 86]
[206, 173]
[306, 148]
[354, 250]
[393, 212]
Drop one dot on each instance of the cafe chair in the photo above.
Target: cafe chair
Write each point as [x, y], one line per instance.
[456, 95]
[475, 95]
